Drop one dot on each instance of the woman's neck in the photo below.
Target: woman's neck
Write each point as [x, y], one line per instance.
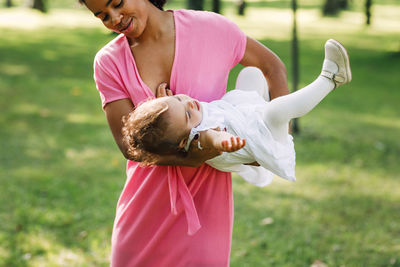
[159, 24]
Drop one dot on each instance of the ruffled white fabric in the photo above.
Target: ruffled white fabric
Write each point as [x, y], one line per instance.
[240, 113]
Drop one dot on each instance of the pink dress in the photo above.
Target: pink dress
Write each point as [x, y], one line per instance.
[171, 215]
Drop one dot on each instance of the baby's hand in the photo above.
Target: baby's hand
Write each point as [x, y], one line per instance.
[222, 141]
[233, 144]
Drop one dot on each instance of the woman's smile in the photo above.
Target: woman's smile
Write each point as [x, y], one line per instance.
[127, 27]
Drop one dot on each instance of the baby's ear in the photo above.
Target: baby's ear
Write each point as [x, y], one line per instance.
[183, 143]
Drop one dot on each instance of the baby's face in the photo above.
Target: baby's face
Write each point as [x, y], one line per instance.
[183, 114]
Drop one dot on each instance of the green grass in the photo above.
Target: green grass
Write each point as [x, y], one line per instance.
[58, 206]
[61, 173]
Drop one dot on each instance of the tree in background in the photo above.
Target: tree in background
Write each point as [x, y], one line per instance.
[368, 4]
[295, 63]
[343, 4]
[333, 7]
[195, 4]
[8, 3]
[39, 5]
[216, 6]
[241, 4]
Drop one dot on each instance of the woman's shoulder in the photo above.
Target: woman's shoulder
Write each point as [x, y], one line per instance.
[113, 50]
[196, 13]
[201, 18]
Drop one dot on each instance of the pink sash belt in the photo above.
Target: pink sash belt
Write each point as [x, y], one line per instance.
[177, 186]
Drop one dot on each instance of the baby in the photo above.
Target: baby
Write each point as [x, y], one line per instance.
[244, 125]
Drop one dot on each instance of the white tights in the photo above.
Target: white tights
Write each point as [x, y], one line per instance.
[279, 111]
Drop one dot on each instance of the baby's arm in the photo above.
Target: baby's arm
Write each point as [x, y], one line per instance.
[221, 141]
[224, 142]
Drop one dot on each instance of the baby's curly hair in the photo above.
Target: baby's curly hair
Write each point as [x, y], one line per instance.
[144, 133]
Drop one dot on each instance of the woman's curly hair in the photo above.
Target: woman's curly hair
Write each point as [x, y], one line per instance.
[157, 3]
[144, 133]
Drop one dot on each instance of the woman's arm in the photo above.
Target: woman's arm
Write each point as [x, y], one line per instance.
[257, 55]
[213, 143]
[115, 111]
[195, 158]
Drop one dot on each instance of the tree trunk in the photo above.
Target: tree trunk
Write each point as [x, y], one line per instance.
[295, 63]
[195, 4]
[331, 8]
[368, 4]
[343, 4]
[216, 6]
[241, 6]
[9, 3]
[39, 5]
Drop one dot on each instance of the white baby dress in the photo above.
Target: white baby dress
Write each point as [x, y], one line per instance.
[240, 113]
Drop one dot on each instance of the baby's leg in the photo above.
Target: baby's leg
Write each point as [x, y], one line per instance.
[252, 79]
[281, 110]
[335, 72]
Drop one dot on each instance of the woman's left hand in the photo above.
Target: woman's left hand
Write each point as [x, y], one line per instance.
[163, 90]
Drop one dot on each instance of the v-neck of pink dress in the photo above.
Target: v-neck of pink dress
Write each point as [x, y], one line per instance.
[174, 215]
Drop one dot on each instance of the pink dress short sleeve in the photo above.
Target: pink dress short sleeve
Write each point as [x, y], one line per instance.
[173, 215]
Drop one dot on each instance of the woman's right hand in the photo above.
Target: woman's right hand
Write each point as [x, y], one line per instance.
[196, 156]
[208, 150]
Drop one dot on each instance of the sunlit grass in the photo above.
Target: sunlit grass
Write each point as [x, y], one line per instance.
[61, 173]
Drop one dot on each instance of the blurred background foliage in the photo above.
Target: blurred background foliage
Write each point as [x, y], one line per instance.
[61, 173]
[329, 7]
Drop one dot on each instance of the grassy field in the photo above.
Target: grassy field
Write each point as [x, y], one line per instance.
[61, 174]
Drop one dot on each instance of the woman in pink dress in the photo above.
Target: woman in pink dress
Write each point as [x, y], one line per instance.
[179, 213]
